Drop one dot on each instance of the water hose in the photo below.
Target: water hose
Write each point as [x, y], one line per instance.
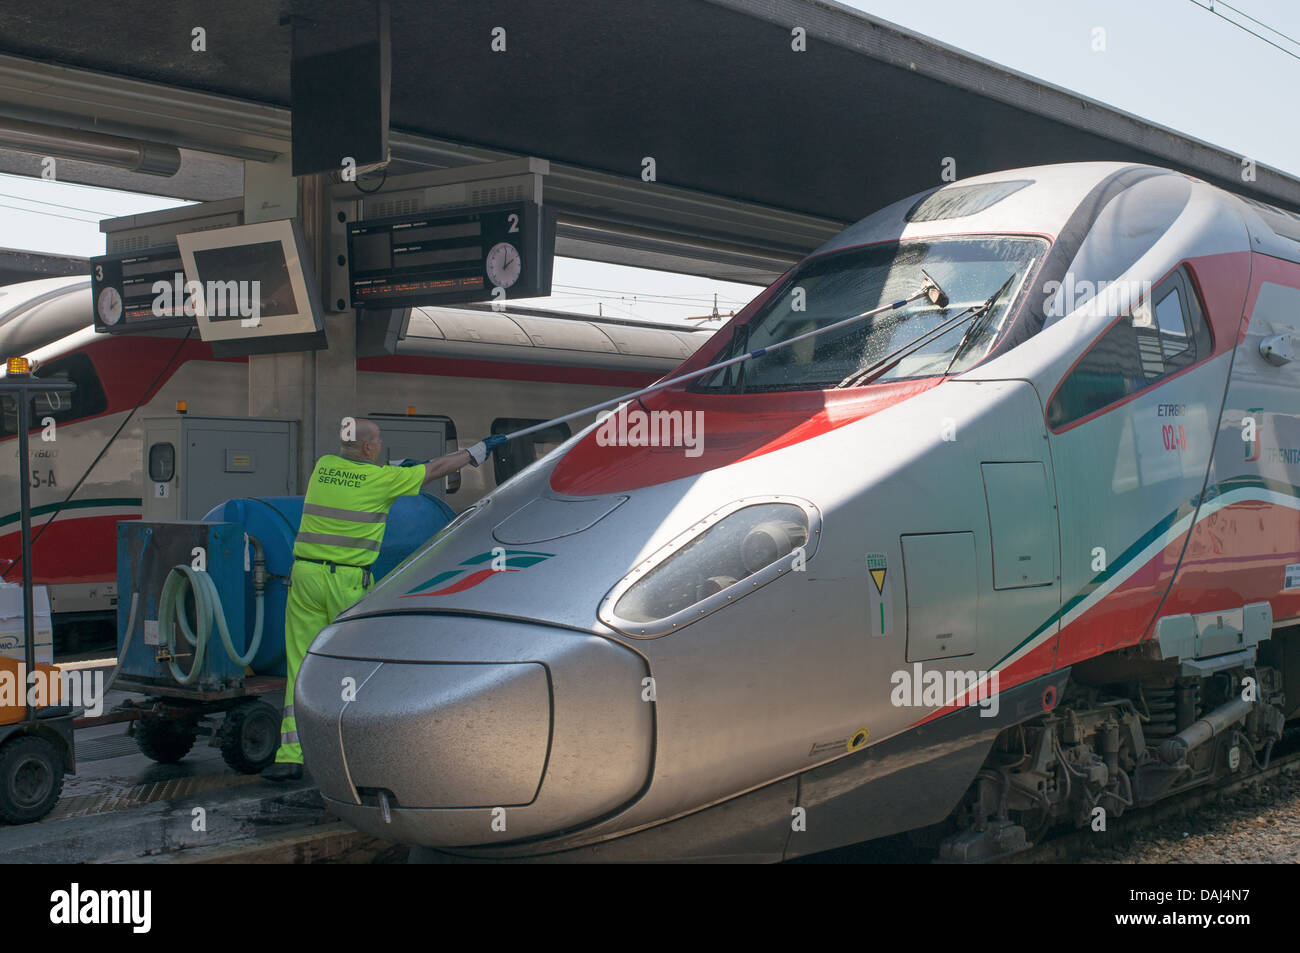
[126, 642]
[208, 608]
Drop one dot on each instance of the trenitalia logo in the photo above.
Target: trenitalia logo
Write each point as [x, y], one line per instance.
[499, 560]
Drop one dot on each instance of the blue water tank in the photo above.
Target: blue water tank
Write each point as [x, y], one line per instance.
[274, 521]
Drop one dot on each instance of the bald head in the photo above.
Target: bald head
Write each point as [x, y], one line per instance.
[367, 444]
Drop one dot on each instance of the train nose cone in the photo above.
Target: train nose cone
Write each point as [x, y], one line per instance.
[453, 731]
[443, 736]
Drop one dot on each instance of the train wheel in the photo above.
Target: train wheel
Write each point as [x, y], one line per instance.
[165, 740]
[31, 779]
[250, 736]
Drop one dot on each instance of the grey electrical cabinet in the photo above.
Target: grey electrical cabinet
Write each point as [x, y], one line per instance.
[193, 463]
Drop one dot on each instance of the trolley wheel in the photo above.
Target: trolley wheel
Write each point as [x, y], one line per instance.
[165, 740]
[250, 736]
[31, 779]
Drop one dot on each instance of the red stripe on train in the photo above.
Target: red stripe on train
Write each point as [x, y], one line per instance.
[734, 427]
[72, 549]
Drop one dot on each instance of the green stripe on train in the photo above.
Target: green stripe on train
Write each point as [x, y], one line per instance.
[1211, 493]
[73, 505]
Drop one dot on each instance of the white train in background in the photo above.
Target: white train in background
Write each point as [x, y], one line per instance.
[478, 372]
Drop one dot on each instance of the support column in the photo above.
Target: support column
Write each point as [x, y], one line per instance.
[334, 384]
[316, 388]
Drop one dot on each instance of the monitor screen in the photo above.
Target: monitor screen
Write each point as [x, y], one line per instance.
[253, 282]
[261, 265]
[450, 255]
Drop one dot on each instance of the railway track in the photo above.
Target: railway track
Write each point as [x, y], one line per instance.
[1064, 844]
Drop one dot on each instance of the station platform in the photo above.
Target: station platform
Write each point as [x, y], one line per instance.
[121, 807]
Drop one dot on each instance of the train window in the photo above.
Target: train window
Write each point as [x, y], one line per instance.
[959, 201]
[162, 462]
[86, 401]
[1173, 329]
[919, 340]
[1139, 350]
[519, 454]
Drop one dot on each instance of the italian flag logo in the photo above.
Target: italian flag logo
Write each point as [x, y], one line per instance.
[476, 570]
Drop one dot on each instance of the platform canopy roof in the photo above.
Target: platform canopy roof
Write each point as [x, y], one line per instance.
[761, 152]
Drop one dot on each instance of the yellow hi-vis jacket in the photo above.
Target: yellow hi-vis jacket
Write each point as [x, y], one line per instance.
[346, 508]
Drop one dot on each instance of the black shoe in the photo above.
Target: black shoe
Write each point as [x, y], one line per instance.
[283, 771]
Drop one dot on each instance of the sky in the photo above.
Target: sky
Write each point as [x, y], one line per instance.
[1171, 62]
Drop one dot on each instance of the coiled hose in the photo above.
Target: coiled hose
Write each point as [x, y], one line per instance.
[208, 609]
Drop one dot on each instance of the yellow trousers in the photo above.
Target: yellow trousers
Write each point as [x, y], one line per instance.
[316, 596]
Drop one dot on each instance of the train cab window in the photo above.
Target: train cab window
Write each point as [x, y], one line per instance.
[1142, 348]
[926, 339]
[86, 401]
[519, 454]
[1170, 323]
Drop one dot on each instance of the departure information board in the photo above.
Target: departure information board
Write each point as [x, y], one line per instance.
[125, 298]
[451, 256]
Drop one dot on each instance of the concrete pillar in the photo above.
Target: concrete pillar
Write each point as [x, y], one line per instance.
[316, 388]
[334, 384]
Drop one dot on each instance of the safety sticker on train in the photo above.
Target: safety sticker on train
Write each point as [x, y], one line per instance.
[1292, 576]
[880, 608]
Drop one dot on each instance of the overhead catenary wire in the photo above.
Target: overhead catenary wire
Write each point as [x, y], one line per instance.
[1210, 8]
[638, 299]
[71, 208]
[37, 211]
[646, 301]
[696, 299]
[1253, 20]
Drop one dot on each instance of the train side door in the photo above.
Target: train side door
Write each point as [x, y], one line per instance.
[1132, 429]
[1248, 533]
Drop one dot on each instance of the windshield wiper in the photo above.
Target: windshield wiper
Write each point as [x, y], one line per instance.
[973, 313]
[984, 311]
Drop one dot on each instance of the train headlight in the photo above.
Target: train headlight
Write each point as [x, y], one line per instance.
[728, 554]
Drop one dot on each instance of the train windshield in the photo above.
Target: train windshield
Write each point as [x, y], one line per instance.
[839, 286]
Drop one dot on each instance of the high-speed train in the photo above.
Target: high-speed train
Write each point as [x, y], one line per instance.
[1025, 558]
[479, 372]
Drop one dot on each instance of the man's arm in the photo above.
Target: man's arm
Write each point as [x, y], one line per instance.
[451, 462]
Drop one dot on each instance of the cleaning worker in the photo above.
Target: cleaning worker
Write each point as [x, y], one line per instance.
[342, 527]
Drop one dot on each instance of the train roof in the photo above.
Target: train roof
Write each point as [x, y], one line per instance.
[36, 313]
[47, 317]
[1041, 200]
